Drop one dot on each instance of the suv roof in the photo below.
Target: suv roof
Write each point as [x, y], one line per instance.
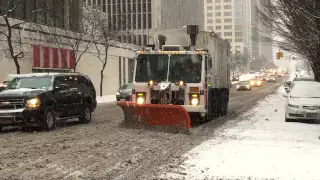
[45, 74]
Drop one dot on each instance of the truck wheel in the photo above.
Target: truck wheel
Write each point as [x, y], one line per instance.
[49, 119]
[86, 115]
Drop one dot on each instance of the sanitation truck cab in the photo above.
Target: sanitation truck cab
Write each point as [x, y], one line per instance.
[171, 77]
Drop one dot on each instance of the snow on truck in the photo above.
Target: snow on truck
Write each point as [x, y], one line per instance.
[176, 78]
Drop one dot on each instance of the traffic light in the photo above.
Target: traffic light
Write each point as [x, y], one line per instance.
[278, 55]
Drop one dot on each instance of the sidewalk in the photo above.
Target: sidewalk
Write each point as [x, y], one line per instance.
[106, 99]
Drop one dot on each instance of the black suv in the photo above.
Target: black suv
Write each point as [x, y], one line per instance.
[42, 100]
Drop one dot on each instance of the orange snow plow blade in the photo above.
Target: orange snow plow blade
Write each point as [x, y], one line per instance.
[156, 114]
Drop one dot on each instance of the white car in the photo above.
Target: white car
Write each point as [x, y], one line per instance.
[303, 102]
[271, 78]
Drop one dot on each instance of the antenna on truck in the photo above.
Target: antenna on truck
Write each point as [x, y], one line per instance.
[193, 31]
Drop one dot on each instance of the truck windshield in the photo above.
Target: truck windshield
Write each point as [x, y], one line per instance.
[152, 67]
[31, 82]
[185, 67]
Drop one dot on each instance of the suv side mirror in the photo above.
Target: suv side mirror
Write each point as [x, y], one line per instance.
[61, 87]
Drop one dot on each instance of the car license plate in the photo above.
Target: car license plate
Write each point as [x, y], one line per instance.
[312, 115]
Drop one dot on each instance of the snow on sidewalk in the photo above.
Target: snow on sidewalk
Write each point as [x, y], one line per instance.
[261, 146]
[106, 99]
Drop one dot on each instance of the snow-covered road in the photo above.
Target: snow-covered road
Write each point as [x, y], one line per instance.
[262, 146]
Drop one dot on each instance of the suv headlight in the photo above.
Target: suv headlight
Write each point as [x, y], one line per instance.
[33, 103]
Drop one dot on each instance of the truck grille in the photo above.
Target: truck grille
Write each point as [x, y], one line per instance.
[12, 104]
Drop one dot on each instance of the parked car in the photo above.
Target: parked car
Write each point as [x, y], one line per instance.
[124, 93]
[303, 102]
[244, 85]
[43, 99]
[234, 78]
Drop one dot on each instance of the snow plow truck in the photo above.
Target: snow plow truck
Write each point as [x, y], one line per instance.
[184, 72]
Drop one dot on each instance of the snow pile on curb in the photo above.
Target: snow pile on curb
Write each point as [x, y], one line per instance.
[106, 99]
[262, 146]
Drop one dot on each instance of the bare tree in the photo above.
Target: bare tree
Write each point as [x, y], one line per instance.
[10, 32]
[298, 24]
[104, 38]
[79, 40]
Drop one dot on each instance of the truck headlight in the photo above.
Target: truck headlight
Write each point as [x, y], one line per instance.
[140, 100]
[194, 101]
[238, 86]
[248, 86]
[33, 103]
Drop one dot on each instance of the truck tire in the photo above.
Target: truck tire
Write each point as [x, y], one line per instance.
[49, 119]
[86, 115]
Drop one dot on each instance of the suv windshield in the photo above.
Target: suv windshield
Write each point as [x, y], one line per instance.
[185, 67]
[152, 67]
[31, 82]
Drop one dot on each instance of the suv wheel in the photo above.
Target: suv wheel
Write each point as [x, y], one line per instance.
[49, 119]
[86, 115]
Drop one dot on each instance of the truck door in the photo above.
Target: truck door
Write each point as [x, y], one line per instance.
[208, 75]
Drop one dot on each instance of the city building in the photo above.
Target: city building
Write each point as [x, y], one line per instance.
[138, 18]
[238, 22]
[42, 55]
[230, 20]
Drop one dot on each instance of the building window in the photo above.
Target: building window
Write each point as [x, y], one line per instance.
[209, 21]
[227, 6]
[218, 13]
[228, 27]
[229, 40]
[227, 13]
[238, 39]
[218, 27]
[227, 0]
[228, 20]
[209, 8]
[209, 14]
[218, 1]
[218, 7]
[209, 1]
[238, 34]
[227, 33]
[218, 20]
[209, 28]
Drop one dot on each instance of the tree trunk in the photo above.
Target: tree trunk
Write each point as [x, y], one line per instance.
[315, 65]
[16, 62]
[101, 82]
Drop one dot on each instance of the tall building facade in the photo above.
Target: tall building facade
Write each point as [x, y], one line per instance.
[138, 18]
[229, 19]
